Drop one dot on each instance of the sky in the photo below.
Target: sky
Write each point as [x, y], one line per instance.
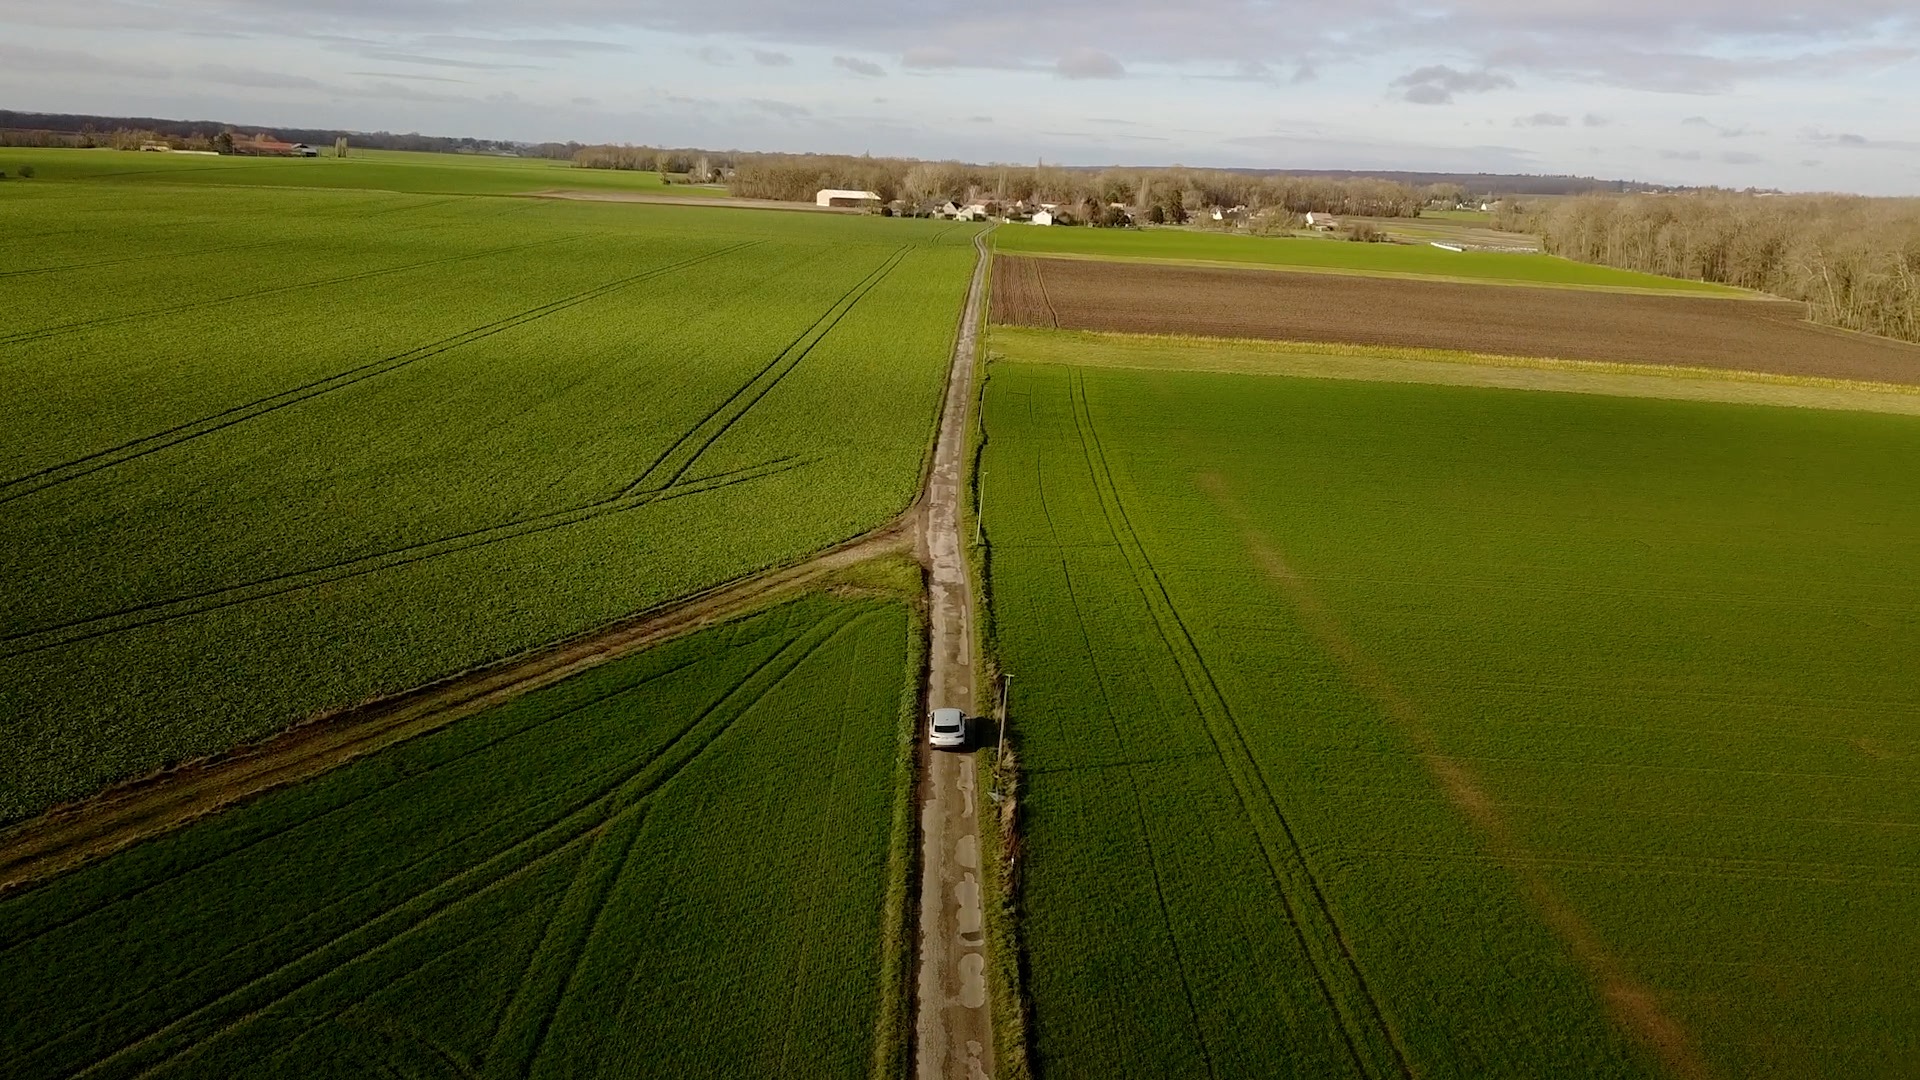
[1768, 93]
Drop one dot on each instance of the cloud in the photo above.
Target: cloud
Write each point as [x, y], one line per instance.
[1852, 141]
[398, 56]
[1595, 120]
[770, 58]
[1542, 119]
[585, 102]
[1437, 83]
[1680, 155]
[409, 78]
[550, 48]
[1720, 130]
[1638, 65]
[255, 79]
[929, 57]
[67, 62]
[858, 66]
[1088, 63]
[784, 109]
[979, 119]
[712, 54]
[1741, 157]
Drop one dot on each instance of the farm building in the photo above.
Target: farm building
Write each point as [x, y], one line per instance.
[1320, 221]
[844, 197]
[1042, 217]
[262, 146]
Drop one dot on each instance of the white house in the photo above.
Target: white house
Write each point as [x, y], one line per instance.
[844, 197]
[1323, 222]
[1042, 217]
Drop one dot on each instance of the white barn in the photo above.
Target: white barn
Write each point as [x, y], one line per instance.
[1042, 217]
[844, 197]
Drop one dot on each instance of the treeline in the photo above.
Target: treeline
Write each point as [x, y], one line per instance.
[1855, 261]
[705, 166]
[798, 176]
[82, 130]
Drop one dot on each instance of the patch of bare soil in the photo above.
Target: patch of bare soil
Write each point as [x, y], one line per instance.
[1764, 336]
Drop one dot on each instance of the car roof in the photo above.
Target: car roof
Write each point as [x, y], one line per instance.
[949, 714]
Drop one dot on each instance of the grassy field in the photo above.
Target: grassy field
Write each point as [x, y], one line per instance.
[1445, 367]
[376, 170]
[673, 865]
[1377, 729]
[271, 452]
[1301, 253]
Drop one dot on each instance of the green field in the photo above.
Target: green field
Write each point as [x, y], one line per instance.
[377, 170]
[1377, 729]
[271, 452]
[673, 865]
[1304, 253]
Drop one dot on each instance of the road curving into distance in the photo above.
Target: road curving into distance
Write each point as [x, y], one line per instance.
[953, 1034]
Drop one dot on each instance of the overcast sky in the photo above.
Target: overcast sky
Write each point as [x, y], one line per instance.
[1773, 93]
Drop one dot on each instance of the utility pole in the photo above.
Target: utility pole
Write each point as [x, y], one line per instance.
[980, 509]
[1006, 682]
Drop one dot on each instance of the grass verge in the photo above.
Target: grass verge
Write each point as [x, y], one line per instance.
[893, 1027]
[1446, 367]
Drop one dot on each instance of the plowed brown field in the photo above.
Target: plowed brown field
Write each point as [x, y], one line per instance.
[1739, 335]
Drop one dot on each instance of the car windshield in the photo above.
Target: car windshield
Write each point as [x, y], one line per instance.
[946, 724]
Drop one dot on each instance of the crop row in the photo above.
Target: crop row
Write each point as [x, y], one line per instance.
[1560, 700]
[671, 865]
[251, 525]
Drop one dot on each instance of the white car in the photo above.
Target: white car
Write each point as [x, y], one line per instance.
[947, 729]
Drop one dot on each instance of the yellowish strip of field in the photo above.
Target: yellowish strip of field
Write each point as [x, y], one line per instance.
[1725, 292]
[1159, 352]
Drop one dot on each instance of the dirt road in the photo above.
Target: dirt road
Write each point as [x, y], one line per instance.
[953, 1034]
[66, 837]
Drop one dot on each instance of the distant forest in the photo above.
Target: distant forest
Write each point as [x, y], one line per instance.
[1854, 260]
[76, 129]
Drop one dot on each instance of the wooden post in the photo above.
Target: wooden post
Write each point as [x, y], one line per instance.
[1005, 682]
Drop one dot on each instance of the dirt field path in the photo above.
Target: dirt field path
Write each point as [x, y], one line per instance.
[690, 200]
[953, 1032]
[66, 837]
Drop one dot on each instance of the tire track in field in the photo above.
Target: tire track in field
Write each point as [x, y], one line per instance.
[56, 635]
[539, 994]
[1631, 1005]
[66, 267]
[820, 874]
[1040, 284]
[1346, 967]
[25, 337]
[75, 915]
[522, 830]
[1219, 752]
[72, 469]
[815, 638]
[207, 1024]
[188, 253]
[1133, 779]
[674, 461]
